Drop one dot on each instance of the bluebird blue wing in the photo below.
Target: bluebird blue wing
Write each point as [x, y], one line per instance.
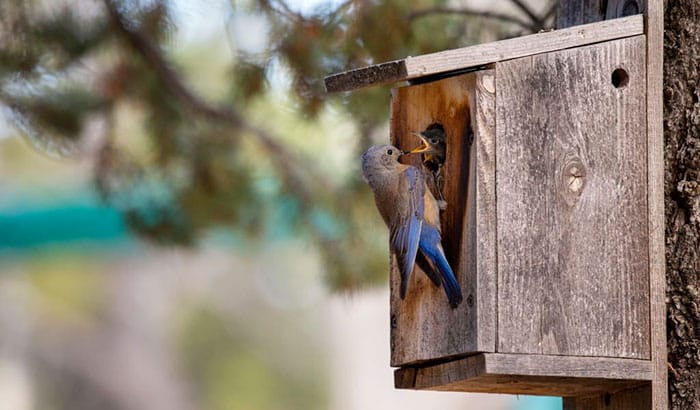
[431, 248]
[405, 231]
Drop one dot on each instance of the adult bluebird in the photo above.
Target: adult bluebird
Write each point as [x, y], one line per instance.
[412, 215]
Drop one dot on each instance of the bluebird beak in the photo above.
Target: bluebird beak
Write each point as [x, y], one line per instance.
[421, 148]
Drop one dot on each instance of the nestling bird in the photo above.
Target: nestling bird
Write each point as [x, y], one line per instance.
[433, 147]
[412, 215]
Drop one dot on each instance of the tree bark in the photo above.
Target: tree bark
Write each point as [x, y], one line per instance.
[682, 199]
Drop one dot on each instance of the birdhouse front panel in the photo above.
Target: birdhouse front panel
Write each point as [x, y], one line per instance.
[424, 326]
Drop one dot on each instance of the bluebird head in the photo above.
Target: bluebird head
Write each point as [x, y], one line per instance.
[381, 155]
[378, 160]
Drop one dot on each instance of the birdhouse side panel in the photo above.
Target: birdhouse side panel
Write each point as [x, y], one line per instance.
[571, 182]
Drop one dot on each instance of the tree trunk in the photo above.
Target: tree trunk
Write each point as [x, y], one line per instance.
[682, 199]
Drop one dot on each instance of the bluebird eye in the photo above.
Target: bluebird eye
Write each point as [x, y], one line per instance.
[433, 141]
[390, 151]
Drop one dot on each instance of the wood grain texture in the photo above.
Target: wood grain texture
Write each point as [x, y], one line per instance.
[655, 179]
[423, 326]
[655, 394]
[483, 54]
[527, 374]
[376, 74]
[637, 398]
[481, 243]
[571, 190]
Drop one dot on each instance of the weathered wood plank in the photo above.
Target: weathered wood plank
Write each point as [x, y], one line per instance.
[483, 54]
[571, 188]
[642, 398]
[481, 250]
[537, 385]
[637, 398]
[376, 74]
[568, 366]
[655, 177]
[527, 374]
[423, 326]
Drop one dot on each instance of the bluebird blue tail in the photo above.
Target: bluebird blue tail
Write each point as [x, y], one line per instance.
[432, 250]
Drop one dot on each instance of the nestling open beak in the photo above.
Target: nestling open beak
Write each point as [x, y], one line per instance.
[421, 148]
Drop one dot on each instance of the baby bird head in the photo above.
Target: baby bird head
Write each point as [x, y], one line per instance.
[432, 142]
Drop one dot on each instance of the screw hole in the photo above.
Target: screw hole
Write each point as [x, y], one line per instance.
[620, 78]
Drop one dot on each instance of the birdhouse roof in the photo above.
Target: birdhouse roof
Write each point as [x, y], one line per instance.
[449, 62]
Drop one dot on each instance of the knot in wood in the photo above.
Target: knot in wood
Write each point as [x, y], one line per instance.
[573, 180]
[488, 83]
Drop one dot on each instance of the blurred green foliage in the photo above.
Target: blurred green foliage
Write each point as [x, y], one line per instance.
[100, 74]
[67, 286]
[231, 374]
[185, 140]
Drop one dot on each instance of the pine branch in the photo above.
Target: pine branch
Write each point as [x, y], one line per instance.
[282, 9]
[285, 162]
[550, 12]
[471, 12]
[536, 20]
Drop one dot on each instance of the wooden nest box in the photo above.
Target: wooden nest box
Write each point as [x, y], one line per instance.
[553, 198]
